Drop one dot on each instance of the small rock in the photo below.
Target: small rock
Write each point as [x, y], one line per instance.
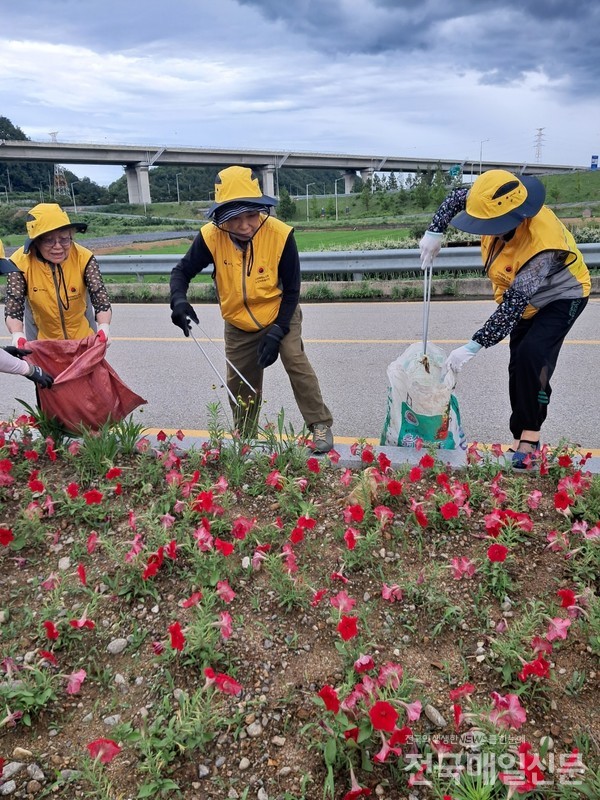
[36, 773]
[33, 787]
[262, 794]
[267, 644]
[112, 720]
[244, 764]
[434, 716]
[232, 794]
[64, 563]
[547, 743]
[278, 741]
[254, 730]
[203, 771]
[4, 616]
[284, 772]
[116, 646]
[219, 762]
[8, 788]
[69, 774]
[20, 753]
[11, 769]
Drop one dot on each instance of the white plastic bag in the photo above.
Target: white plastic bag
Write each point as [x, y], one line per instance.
[420, 403]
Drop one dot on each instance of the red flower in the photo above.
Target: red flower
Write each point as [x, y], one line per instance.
[351, 536]
[313, 465]
[497, 553]
[104, 750]
[329, 696]
[93, 497]
[297, 535]
[113, 472]
[354, 513]
[540, 667]
[51, 630]
[36, 486]
[363, 664]
[223, 547]
[427, 461]
[82, 574]
[84, 622]
[462, 691]
[449, 510]
[383, 716]
[562, 500]
[161, 436]
[177, 637]
[564, 461]
[415, 475]
[567, 597]
[92, 541]
[192, 600]
[6, 536]
[394, 487]
[348, 628]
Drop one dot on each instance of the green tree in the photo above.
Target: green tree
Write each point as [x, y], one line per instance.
[366, 194]
[286, 208]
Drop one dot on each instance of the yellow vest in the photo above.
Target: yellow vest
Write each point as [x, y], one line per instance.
[249, 294]
[533, 236]
[57, 294]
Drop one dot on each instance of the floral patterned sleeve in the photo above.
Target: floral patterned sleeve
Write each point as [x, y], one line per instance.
[452, 205]
[14, 301]
[516, 298]
[95, 285]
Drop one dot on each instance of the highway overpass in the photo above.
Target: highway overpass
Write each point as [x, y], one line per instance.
[137, 159]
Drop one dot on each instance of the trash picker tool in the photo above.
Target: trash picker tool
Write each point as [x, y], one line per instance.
[216, 346]
[216, 371]
[427, 281]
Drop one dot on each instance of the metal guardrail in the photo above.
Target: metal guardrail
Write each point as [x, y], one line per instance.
[357, 263]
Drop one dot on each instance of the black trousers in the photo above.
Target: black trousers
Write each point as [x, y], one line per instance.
[534, 347]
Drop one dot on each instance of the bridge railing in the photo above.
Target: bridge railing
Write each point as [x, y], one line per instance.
[357, 264]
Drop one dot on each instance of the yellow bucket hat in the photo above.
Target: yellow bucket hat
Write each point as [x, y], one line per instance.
[238, 185]
[499, 201]
[45, 218]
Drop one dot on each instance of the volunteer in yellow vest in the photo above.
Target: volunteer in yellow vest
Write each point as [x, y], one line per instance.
[55, 276]
[257, 279]
[540, 282]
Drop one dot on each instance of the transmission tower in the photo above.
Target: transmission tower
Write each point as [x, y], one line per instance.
[61, 187]
[539, 142]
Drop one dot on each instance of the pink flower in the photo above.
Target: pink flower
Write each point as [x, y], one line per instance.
[356, 790]
[557, 629]
[242, 526]
[275, 479]
[462, 568]
[391, 593]
[413, 710]
[225, 624]
[343, 602]
[81, 623]
[75, 679]
[533, 500]
[225, 591]
[318, 595]
[363, 664]
[82, 574]
[465, 690]
[92, 541]
[192, 600]
[104, 750]
[507, 712]
[384, 514]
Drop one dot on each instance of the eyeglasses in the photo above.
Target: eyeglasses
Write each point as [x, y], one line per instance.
[50, 241]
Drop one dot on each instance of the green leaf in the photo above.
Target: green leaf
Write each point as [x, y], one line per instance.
[330, 751]
[147, 790]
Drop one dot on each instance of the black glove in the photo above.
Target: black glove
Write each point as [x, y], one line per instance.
[17, 352]
[181, 314]
[268, 348]
[40, 377]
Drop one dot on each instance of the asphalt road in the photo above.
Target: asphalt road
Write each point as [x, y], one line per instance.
[350, 346]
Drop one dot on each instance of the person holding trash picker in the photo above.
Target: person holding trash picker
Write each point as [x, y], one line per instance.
[55, 275]
[540, 282]
[257, 279]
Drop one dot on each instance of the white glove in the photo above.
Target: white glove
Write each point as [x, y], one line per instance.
[430, 245]
[18, 339]
[459, 357]
[104, 327]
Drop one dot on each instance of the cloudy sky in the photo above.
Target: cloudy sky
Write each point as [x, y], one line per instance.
[432, 78]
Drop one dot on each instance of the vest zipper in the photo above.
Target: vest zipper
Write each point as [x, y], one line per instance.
[58, 300]
[245, 295]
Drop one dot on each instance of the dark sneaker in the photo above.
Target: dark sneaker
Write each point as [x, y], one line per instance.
[322, 438]
[528, 460]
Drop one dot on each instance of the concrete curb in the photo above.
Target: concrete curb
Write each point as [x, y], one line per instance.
[399, 456]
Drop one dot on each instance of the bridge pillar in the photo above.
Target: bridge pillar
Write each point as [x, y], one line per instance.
[349, 178]
[267, 175]
[138, 184]
[367, 174]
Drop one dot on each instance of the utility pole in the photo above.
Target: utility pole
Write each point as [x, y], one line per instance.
[539, 141]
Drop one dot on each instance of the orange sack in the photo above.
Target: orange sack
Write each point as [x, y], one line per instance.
[86, 391]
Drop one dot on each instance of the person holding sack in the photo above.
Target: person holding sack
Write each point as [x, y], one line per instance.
[55, 275]
[257, 278]
[540, 281]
